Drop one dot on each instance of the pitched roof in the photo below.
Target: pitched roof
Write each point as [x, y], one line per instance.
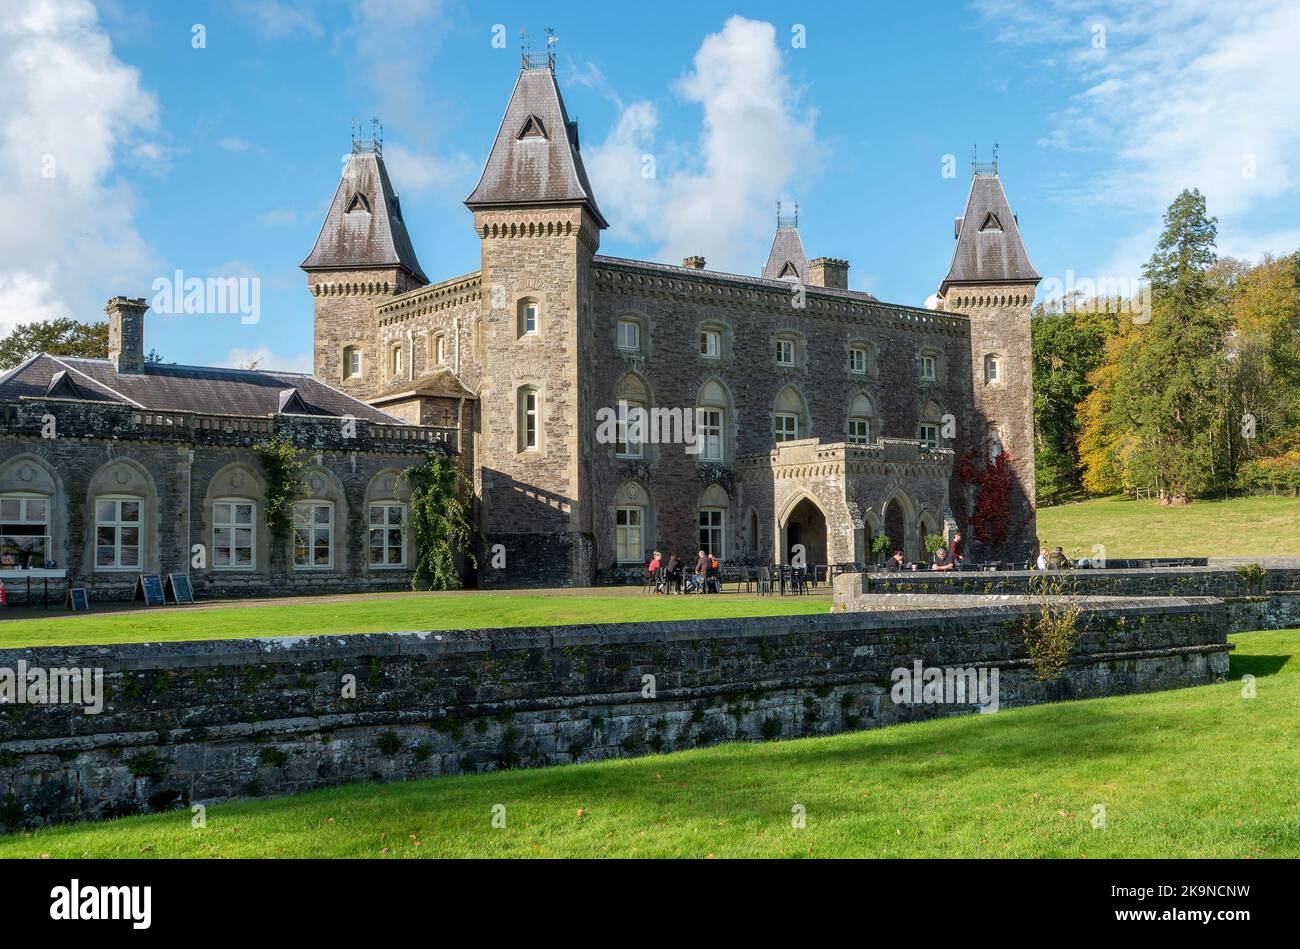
[989, 248]
[364, 225]
[535, 159]
[787, 261]
[442, 382]
[170, 388]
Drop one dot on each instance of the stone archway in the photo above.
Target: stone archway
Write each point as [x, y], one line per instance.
[895, 527]
[804, 523]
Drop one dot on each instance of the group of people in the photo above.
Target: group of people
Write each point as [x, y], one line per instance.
[945, 558]
[670, 576]
[1056, 560]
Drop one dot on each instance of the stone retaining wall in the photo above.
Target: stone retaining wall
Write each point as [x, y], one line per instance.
[1153, 581]
[202, 722]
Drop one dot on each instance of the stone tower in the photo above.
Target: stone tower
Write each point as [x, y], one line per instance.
[992, 281]
[362, 256]
[539, 227]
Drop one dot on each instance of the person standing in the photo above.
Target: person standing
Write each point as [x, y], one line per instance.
[956, 550]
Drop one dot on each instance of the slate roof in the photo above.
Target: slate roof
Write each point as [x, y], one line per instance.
[535, 159]
[441, 382]
[170, 388]
[787, 261]
[364, 225]
[989, 248]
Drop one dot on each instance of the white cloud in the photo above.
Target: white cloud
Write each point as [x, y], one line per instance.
[233, 144]
[1192, 94]
[713, 196]
[72, 110]
[263, 357]
[275, 20]
[415, 172]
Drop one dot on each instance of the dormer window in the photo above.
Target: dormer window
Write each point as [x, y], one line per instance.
[991, 223]
[359, 202]
[533, 128]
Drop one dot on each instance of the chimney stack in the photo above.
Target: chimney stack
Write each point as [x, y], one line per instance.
[693, 263]
[126, 333]
[829, 272]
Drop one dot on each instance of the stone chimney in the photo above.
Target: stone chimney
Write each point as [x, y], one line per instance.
[829, 272]
[693, 263]
[126, 333]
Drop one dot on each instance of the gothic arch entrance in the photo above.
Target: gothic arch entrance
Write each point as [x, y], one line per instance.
[895, 527]
[804, 524]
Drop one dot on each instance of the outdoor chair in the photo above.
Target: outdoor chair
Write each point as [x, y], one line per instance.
[745, 579]
[764, 582]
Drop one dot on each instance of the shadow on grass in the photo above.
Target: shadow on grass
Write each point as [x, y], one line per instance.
[1258, 666]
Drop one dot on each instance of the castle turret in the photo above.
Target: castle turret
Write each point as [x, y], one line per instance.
[992, 281]
[362, 255]
[539, 227]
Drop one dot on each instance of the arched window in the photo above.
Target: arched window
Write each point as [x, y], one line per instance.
[438, 348]
[930, 430]
[528, 423]
[313, 534]
[119, 522]
[631, 523]
[789, 420]
[24, 530]
[861, 420]
[713, 521]
[712, 405]
[754, 539]
[632, 402]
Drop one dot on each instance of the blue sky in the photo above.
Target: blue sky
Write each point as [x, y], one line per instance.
[221, 160]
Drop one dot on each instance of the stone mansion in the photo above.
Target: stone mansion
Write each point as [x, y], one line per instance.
[826, 417]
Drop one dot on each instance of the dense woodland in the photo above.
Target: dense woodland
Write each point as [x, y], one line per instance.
[1196, 396]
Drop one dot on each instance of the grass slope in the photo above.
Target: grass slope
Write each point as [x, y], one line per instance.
[1196, 772]
[372, 614]
[1238, 527]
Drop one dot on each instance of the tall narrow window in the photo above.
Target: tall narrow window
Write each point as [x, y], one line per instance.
[313, 535]
[397, 360]
[234, 535]
[387, 534]
[24, 531]
[711, 344]
[118, 523]
[528, 419]
[711, 530]
[631, 430]
[440, 348]
[858, 360]
[352, 362]
[628, 538]
[929, 370]
[784, 352]
[992, 368]
[528, 318]
[711, 432]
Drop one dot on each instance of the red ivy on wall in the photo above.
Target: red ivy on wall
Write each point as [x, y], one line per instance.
[991, 517]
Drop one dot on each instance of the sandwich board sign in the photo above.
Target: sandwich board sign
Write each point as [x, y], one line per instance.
[179, 589]
[77, 600]
[149, 588]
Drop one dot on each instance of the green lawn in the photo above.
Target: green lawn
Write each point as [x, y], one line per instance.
[387, 613]
[1238, 527]
[1197, 772]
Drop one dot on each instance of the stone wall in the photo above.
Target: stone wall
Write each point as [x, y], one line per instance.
[1156, 581]
[202, 722]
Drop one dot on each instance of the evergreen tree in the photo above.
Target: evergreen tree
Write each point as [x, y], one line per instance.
[61, 337]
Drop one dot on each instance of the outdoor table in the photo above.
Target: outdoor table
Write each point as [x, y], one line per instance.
[45, 576]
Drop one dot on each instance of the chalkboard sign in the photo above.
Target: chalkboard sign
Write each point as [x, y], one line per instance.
[77, 600]
[178, 586]
[149, 588]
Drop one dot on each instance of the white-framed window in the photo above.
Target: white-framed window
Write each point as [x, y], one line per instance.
[528, 420]
[629, 524]
[992, 368]
[632, 421]
[929, 434]
[24, 530]
[395, 360]
[440, 348]
[785, 427]
[711, 432]
[859, 431]
[710, 344]
[352, 362]
[119, 523]
[313, 535]
[528, 311]
[858, 360]
[712, 520]
[387, 534]
[784, 351]
[629, 335]
[234, 534]
[929, 367]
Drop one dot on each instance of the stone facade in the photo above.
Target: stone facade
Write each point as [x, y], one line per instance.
[903, 392]
[201, 722]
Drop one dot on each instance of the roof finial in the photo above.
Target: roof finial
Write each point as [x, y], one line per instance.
[983, 168]
[533, 60]
[786, 220]
[995, 158]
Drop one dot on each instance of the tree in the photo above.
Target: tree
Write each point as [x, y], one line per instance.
[442, 521]
[61, 337]
[1167, 387]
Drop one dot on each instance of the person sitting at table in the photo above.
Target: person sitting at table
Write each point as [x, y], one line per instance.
[673, 572]
[941, 561]
[713, 576]
[895, 562]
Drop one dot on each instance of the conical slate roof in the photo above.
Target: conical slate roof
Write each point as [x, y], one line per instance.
[364, 227]
[989, 248]
[787, 261]
[535, 159]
